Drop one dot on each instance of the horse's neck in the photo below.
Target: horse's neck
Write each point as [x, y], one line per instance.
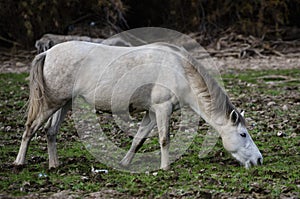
[217, 122]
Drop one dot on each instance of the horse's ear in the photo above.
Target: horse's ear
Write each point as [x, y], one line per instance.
[50, 44]
[243, 113]
[234, 117]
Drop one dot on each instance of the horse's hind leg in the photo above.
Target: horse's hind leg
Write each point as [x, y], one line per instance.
[145, 128]
[31, 128]
[56, 120]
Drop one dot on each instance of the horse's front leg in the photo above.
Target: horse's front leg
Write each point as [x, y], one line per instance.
[56, 121]
[163, 112]
[145, 128]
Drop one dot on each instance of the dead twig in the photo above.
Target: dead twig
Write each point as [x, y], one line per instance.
[241, 46]
[10, 41]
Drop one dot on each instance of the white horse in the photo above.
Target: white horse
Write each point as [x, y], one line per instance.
[91, 71]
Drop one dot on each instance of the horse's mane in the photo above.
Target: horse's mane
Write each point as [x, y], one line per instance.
[219, 103]
[212, 97]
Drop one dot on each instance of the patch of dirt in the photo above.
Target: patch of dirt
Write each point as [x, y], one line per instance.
[15, 60]
[67, 194]
[257, 63]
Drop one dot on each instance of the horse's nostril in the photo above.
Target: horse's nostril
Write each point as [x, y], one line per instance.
[259, 161]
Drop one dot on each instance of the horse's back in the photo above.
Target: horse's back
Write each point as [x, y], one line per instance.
[85, 68]
[73, 61]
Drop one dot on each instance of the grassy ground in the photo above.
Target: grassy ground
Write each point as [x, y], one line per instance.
[272, 103]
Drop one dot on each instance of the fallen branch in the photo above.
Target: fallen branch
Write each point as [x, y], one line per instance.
[10, 41]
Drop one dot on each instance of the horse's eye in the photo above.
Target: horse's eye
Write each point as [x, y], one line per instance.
[243, 135]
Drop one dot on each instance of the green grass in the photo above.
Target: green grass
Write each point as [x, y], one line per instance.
[217, 174]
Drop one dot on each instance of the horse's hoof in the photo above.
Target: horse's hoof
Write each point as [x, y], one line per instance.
[165, 168]
[18, 164]
[124, 164]
[17, 167]
[53, 167]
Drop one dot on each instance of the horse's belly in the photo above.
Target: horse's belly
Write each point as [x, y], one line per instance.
[105, 99]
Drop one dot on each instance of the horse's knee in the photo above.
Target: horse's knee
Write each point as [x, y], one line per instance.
[51, 133]
[164, 140]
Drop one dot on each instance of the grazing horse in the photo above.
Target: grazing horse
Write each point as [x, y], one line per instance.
[91, 71]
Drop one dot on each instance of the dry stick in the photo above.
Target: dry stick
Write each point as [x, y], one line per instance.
[10, 41]
[254, 44]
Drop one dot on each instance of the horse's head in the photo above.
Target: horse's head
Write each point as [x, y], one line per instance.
[238, 141]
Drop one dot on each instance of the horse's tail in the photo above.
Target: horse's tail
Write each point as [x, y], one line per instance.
[37, 96]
